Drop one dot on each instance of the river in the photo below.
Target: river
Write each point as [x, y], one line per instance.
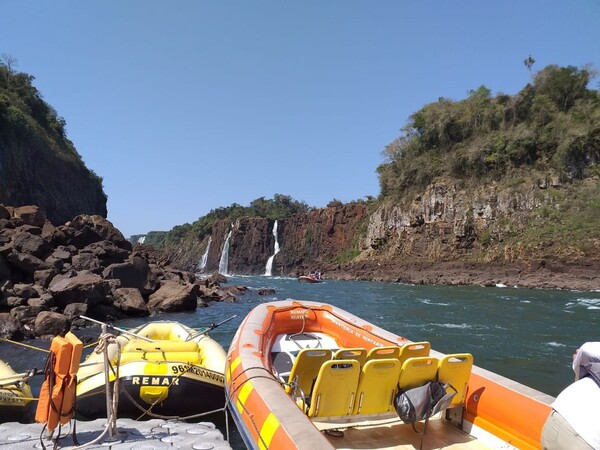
[525, 334]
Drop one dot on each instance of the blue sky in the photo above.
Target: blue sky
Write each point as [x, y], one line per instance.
[186, 106]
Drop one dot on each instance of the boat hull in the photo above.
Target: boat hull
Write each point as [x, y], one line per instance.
[496, 409]
[16, 398]
[166, 378]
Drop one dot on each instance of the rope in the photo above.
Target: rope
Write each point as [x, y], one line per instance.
[25, 345]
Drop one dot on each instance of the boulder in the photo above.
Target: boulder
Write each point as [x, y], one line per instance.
[30, 215]
[26, 314]
[25, 262]
[74, 310]
[130, 301]
[32, 244]
[174, 296]
[10, 328]
[25, 291]
[86, 261]
[107, 252]
[49, 323]
[45, 276]
[86, 287]
[4, 213]
[133, 273]
[103, 228]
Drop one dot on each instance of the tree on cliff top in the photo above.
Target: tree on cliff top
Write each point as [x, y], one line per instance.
[552, 124]
[280, 207]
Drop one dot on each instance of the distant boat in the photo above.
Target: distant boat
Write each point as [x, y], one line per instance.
[310, 375]
[309, 279]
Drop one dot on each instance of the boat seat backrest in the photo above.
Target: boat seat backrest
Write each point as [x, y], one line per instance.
[455, 370]
[139, 345]
[335, 388]
[414, 349]
[377, 385]
[183, 357]
[359, 354]
[388, 351]
[306, 369]
[417, 371]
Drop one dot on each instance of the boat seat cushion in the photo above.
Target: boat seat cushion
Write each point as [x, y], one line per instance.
[455, 369]
[335, 389]
[417, 371]
[377, 386]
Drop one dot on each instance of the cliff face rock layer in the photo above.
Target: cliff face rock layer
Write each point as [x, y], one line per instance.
[447, 234]
[34, 172]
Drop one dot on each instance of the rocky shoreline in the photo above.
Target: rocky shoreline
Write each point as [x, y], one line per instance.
[580, 275]
[50, 275]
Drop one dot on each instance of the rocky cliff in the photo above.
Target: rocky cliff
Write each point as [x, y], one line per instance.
[448, 234]
[38, 163]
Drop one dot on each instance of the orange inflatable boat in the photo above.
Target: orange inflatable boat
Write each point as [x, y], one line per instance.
[312, 376]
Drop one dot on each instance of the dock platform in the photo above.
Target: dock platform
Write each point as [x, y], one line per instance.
[153, 434]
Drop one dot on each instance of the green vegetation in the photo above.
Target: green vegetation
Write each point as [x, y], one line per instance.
[280, 207]
[550, 125]
[31, 132]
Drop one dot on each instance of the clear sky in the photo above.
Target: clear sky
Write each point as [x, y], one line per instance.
[185, 106]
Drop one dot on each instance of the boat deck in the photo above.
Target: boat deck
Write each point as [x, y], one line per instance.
[440, 434]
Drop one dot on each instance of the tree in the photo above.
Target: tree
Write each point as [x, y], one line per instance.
[529, 62]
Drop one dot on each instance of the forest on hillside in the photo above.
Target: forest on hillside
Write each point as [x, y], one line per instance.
[552, 124]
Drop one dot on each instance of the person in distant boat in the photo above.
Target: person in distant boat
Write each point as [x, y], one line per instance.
[574, 422]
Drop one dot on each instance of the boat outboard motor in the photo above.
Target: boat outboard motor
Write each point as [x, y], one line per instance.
[587, 362]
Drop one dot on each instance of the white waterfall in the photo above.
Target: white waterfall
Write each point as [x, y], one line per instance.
[224, 261]
[204, 259]
[269, 267]
[141, 239]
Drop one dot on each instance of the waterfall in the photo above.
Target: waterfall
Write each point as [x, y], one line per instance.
[141, 239]
[269, 267]
[224, 261]
[202, 263]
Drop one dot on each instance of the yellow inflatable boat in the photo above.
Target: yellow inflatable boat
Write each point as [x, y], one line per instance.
[164, 369]
[15, 393]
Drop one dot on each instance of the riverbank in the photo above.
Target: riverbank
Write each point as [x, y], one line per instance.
[582, 275]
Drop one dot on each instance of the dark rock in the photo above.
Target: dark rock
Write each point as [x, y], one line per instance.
[130, 301]
[173, 296]
[10, 328]
[26, 314]
[4, 269]
[103, 228]
[265, 291]
[30, 215]
[49, 323]
[107, 252]
[44, 300]
[86, 261]
[31, 244]
[45, 276]
[134, 274]
[24, 262]
[4, 214]
[25, 291]
[74, 310]
[106, 313]
[85, 286]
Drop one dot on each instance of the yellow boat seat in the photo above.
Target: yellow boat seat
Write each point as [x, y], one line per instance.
[414, 349]
[389, 351]
[376, 386]
[305, 370]
[335, 389]
[139, 345]
[359, 354]
[417, 371]
[455, 370]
